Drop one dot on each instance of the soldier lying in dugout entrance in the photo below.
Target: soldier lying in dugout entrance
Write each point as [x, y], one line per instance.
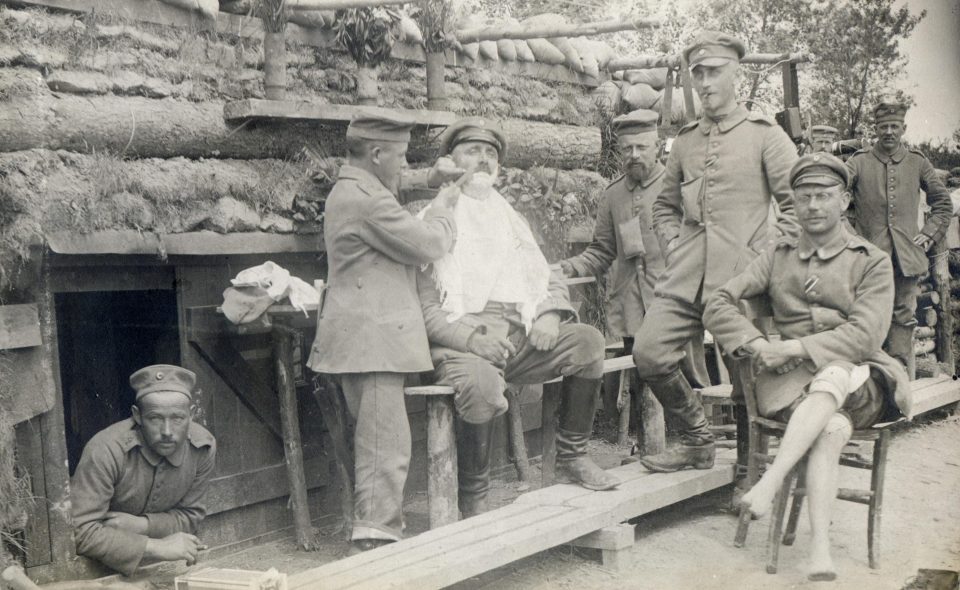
[138, 491]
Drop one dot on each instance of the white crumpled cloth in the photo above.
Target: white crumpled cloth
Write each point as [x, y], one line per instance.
[279, 284]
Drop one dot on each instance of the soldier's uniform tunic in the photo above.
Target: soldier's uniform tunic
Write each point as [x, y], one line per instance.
[118, 472]
[836, 300]
[370, 332]
[886, 205]
[721, 179]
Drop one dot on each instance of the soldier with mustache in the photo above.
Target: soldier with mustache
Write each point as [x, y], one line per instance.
[887, 180]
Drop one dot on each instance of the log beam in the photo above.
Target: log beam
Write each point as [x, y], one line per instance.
[148, 128]
[495, 33]
[642, 62]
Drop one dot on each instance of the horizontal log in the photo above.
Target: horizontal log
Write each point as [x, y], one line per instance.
[535, 31]
[928, 299]
[642, 62]
[149, 128]
[927, 317]
[924, 346]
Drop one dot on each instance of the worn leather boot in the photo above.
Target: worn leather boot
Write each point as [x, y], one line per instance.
[899, 345]
[474, 445]
[578, 403]
[696, 449]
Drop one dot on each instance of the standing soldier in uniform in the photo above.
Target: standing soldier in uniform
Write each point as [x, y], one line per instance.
[624, 234]
[370, 331]
[887, 181]
[712, 219]
[822, 137]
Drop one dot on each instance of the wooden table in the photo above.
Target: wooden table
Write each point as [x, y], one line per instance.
[210, 333]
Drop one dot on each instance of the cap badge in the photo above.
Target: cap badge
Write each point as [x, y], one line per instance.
[159, 376]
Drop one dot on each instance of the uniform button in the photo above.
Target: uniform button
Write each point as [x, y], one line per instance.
[711, 183]
[400, 326]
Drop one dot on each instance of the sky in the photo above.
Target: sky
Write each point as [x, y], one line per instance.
[933, 72]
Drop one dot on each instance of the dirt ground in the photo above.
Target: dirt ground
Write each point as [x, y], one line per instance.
[689, 545]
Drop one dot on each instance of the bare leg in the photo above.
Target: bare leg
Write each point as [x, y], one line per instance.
[823, 468]
[805, 425]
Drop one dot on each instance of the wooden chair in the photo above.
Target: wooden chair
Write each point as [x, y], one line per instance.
[760, 431]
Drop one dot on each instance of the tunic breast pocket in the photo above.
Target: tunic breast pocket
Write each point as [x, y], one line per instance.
[691, 193]
[631, 237]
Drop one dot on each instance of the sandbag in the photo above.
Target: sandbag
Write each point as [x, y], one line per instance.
[208, 8]
[587, 58]
[640, 96]
[656, 78]
[607, 97]
[488, 50]
[313, 19]
[546, 52]
[601, 51]
[471, 50]
[524, 53]
[571, 57]
[507, 49]
[677, 108]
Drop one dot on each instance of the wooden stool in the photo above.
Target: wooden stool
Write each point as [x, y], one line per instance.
[760, 432]
[442, 486]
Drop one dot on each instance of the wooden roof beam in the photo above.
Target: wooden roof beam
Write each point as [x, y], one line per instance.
[494, 33]
[642, 62]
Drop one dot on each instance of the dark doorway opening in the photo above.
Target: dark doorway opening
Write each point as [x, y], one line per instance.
[104, 336]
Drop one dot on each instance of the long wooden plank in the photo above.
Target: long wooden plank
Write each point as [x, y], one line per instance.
[535, 522]
[483, 526]
[935, 393]
[19, 326]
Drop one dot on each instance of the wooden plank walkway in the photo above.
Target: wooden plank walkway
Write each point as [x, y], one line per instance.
[535, 522]
[931, 393]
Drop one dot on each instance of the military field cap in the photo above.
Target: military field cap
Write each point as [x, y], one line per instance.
[889, 109]
[713, 48]
[635, 122]
[472, 129]
[819, 169]
[824, 130]
[163, 378]
[380, 127]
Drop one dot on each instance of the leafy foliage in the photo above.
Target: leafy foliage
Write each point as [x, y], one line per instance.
[368, 34]
[433, 17]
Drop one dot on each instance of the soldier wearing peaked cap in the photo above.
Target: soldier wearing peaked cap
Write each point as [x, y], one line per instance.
[138, 490]
[712, 217]
[887, 182]
[831, 293]
[624, 237]
[370, 331]
[495, 313]
[822, 137]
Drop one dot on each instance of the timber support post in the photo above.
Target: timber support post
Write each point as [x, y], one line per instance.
[290, 425]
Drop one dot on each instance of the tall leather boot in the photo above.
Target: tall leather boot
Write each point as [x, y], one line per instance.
[578, 404]
[474, 446]
[696, 447]
[900, 346]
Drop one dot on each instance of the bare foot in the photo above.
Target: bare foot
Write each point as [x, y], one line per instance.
[821, 564]
[760, 497]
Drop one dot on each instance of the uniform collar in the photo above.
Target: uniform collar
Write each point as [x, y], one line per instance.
[737, 116]
[839, 243]
[348, 171]
[134, 438]
[895, 157]
[646, 182]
